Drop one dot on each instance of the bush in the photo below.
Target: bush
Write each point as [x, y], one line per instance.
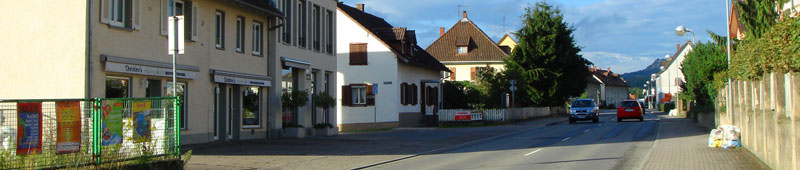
[776, 50]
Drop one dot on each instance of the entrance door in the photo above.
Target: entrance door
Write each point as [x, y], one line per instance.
[220, 110]
[227, 111]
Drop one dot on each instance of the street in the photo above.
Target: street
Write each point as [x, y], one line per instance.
[584, 145]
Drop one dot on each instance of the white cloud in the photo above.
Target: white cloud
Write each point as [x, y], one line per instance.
[619, 63]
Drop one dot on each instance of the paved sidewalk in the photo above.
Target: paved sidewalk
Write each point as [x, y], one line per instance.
[682, 144]
[345, 151]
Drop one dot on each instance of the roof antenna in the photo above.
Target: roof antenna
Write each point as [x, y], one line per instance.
[458, 13]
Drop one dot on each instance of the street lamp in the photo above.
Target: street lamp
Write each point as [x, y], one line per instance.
[681, 30]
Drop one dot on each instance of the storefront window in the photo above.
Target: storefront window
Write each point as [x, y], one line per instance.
[117, 87]
[251, 102]
[181, 91]
[287, 84]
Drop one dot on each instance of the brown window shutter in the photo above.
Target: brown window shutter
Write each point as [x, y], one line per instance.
[414, 94]
[403, 92]
[453, 75]
[472, 73]
[347, 96]
[358, 54]
[435, 96]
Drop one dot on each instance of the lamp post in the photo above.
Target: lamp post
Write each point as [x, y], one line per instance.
[681, 30]
[728, 101]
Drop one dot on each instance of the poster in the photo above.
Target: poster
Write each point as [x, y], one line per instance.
[29, 125]
[141, 121]
[68, 118]
[112, 122]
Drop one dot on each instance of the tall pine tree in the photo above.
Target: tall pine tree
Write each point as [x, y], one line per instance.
[546, 62]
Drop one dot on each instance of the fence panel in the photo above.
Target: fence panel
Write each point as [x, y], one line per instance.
[38, 134]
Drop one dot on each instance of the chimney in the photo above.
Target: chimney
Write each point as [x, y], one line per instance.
[594, 68]
[360, 7]
[441, 31]
[464, 14]
[678, 47]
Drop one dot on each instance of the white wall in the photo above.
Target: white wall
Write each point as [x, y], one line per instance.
[666, 80]
[413, 74]
[463, 72]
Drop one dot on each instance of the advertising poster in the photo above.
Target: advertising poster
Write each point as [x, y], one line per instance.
[68, 117]
[29, 125]
[112, 122]
[141, 121]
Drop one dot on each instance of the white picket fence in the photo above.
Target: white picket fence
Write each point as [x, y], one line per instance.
[513, 114]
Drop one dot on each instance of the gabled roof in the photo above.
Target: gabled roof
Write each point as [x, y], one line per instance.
[674, 57]
[609, 78]
[392, 37]
[481, 47]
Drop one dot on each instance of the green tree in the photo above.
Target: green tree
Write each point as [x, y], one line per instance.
[699, 68]
[546, 63]
[757, 15]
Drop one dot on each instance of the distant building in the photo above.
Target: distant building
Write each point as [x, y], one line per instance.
[670, 78]
[375, 54]
[507, 44]
[466, 50]
[606, 87]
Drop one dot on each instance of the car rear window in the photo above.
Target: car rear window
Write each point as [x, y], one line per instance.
[629, 104]
[582, 103]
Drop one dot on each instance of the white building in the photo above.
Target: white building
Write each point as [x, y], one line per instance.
[669, 79]
[383, 74]
[606, 87]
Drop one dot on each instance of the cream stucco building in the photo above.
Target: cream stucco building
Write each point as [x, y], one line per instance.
[670, 77]
[229, 76]
[467, 51]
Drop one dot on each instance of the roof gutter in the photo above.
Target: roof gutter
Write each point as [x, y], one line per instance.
[88, 66]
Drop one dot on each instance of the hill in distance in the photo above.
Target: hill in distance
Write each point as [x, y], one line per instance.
[637, 79]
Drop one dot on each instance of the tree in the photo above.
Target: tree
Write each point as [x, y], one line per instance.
[757, 15]
[546, 63]
[699, 68]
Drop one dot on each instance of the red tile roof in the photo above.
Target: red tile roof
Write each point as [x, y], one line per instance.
[465, 32]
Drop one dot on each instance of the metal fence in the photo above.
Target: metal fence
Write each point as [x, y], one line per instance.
[37, 134]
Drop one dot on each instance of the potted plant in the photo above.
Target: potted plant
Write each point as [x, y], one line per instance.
[291, 101]
[323, 100]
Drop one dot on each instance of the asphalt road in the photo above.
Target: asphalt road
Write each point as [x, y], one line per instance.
[584, 145]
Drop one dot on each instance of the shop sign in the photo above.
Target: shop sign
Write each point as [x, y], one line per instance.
[147, 70]
[68, 118]
[241, 81]
[29, 133]
[463, 116]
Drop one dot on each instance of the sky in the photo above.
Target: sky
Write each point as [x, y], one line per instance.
[624, 35]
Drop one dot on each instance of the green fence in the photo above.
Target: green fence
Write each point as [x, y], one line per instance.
[63, 133]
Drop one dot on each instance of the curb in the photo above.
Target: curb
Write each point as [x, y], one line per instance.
[456, 146]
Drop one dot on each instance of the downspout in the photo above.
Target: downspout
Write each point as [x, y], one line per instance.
[88, 66]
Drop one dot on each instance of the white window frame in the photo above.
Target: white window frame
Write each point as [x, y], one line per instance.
[219, 34]
[116, 17]
[258, 38]
[240, 24]
[359, 94]
[462, 50]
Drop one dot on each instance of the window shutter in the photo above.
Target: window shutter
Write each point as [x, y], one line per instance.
[347, 96]
[414, 94]
[163, 17]
[403, 92]
[358, 54]
[136, 14]
[104, 11]
[435, 96]
[453, 74]
[194, 14]
[472, 73]
[370, 100]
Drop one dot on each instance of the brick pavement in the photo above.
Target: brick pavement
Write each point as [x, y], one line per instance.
[682, 144]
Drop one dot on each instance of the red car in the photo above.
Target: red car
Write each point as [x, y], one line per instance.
[630, 109]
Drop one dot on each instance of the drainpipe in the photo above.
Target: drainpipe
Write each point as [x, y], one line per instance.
[88, 70]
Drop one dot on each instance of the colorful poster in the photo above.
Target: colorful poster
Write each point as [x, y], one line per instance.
[68, 118]
[112, 122]
[141, 121]
[29, 133]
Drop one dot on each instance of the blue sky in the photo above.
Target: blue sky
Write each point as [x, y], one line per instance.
[625, 35]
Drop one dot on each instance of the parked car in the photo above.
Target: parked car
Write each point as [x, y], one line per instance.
[630, 109]
[584, 109]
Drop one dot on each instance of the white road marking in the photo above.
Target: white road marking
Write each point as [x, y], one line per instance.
[587, 130]
[565, 139]
[529, 154]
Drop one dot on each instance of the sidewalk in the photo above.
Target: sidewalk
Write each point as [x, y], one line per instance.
[345, 151]
[682, 144]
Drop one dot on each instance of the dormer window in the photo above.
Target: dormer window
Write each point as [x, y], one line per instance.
[461, 49]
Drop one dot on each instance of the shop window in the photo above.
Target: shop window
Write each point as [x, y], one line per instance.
[180, 91]
[117, 87]
[251, 107]
[153, 88]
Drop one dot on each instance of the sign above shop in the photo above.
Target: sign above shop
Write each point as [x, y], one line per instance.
[148, 70]
[241, 81]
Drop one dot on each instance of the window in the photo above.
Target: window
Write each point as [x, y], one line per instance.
[258, 38]
[181, 91]
[359, 95]
[462, 49]
[117, 87]
[358, 54]
[153, 88]
[251, 107]
[176, 8]
[220, 30]
[287, 26]
[240, 34]
[301, 23]
[329, 45]
[317, 27]
[117, 12]
[408, 94]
